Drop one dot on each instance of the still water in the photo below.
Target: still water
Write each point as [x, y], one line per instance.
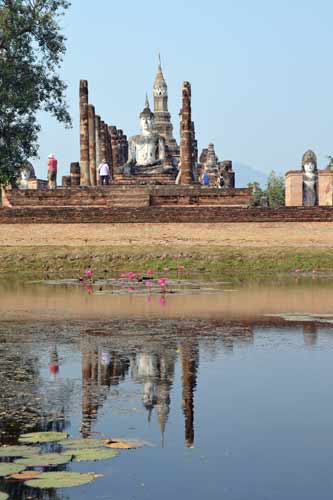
[233, 390]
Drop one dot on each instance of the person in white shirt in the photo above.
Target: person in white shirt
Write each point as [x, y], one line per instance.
[104, 173]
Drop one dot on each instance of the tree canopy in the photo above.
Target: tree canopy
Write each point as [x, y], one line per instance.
[32, 47]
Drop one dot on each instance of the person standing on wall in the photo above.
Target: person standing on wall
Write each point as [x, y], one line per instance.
[52, 168]
[104, 173]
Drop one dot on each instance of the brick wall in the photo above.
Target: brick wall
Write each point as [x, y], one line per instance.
[129, 196]
[97, 215]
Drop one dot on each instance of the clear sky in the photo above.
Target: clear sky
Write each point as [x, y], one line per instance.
[261, 74]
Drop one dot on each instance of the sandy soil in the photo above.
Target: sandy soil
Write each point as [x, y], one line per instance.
[261, 235]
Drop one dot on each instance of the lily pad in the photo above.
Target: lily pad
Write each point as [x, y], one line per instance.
[3, 496]
[93, 454]
[61, 480]
[45, 460]
[42, 437]
[81, 443]
[7, 469]
[18, 451]
[24, 476]
[122, 444]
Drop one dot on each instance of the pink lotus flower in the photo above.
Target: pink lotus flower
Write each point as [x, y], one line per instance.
[166, 269]
[150, 272]
[149, 283]
[181, 268]
[131, 289]
[298, 270]
[88, 273]
[162, 281]
[123, 275]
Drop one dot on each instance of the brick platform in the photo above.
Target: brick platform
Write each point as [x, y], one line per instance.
[127, 196]
[96, 215]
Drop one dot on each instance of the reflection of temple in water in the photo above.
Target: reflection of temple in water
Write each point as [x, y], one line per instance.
[155, 371]
[190, 365]
[101, 369]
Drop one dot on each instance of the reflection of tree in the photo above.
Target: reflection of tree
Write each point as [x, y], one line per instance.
[26, 404]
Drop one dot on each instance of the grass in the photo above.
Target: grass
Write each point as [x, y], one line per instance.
[215, 263]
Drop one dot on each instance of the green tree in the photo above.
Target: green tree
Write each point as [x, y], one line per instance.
[257, 193]
[275, 190]
[31, 51]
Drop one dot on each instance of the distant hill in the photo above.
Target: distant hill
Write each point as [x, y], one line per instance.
[246, 174]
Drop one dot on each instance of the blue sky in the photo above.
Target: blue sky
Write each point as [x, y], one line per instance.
[261, 74]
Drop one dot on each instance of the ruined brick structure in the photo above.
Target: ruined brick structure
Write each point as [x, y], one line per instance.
[84, 134]
[163, 125]
[186, 137]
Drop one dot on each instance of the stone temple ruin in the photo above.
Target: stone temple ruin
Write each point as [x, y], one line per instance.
[147, 169]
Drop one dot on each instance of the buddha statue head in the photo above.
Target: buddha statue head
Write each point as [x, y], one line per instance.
[309, 163]
[146, 119]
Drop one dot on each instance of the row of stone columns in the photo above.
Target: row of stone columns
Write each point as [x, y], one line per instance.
[98, 142]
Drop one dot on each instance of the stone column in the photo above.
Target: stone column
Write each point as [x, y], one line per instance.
[75, 174]
[186, 143]
[92, 144]
[125, 148]
[294, 188]
[66, 181]
[108, 148]
[325, 188]
[98, 146]
[84, 134]
[114, 147]
[103, 141]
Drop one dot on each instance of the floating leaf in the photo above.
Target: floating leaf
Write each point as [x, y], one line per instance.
[3, 496]
[61, 480]
[92, 454]
[81, 443]
[18, 451]
[121, 444]
[42, 437]
[45, 460]
[7, 469]
[24, 476]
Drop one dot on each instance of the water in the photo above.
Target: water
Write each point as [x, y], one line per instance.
[233, 391]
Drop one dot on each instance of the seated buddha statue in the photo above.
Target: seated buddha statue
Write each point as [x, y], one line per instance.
[147, 152]
[310, 179]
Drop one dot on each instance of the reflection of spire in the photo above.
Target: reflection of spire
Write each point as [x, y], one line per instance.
[166, 366]
[190, 363]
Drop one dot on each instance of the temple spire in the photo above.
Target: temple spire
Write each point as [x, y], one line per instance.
[147, 102]
[159, 61]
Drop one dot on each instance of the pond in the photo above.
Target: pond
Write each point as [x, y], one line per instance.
[227, 388]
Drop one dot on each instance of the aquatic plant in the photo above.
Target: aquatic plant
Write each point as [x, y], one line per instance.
[42, 437]
[48, 480]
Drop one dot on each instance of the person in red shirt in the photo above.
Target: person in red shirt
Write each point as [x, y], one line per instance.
[52, 168]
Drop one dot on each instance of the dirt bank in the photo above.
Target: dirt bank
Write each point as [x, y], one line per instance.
[221, 250]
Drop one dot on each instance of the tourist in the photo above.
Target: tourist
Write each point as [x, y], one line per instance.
[52, 168]
[104, 173]
[205, 179]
